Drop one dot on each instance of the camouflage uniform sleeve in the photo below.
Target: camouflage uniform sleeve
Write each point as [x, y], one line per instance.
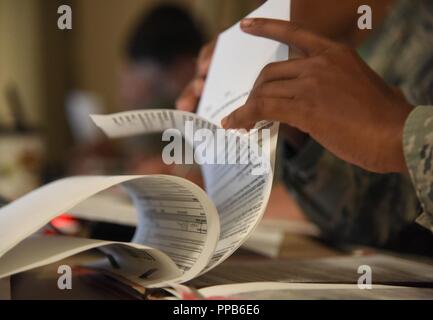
[347, 203]
[418, 151]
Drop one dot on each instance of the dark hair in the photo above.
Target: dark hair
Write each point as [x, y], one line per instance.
[163, 34]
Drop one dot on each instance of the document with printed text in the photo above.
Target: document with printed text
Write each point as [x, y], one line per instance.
[182, 230]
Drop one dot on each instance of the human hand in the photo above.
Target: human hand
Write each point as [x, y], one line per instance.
[330, 94]
[190, 96]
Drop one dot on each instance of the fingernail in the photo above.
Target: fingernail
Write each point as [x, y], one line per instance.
[247, 22]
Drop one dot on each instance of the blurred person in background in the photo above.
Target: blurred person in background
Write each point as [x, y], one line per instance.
[159, 60]
[347, 203]
[160, 57]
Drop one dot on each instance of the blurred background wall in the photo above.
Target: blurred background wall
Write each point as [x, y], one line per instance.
[44, 63]
[21, 55]
[101, 27]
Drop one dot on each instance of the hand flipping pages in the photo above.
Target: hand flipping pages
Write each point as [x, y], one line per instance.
[182, 231]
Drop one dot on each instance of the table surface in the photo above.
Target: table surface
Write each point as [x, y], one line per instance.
[41, 283]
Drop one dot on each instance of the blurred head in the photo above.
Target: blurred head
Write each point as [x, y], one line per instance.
[160, 57]
[337, 19]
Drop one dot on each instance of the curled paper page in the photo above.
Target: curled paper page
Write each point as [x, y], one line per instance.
[189, 231]
[182, 260]
[134, 262]
[239, 195]
[240, 198]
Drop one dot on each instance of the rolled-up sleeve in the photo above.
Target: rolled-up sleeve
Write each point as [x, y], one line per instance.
[418, 151]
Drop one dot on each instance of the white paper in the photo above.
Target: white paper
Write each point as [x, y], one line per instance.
[177, 221]
[129, 260]
[25, 216]
[237, 61]
[310, 291]
[239, 196]
[109, 207]
[175, 217]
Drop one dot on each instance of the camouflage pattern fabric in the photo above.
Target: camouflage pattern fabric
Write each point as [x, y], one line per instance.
[348, 203]
[418, 151]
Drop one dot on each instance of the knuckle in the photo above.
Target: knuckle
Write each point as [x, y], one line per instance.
[293, 27]
[260, 90]
[322, 61]
[268, 69]
[312, 82]
[257, 92]
[344, 49]
[257, 107]
[265, 74]
[317, 66]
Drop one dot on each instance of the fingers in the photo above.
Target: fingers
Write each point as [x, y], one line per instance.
[190, 96]
[255, 110]
[287, 89]
[205, 59]
[241, 118]
[198, 85]
[288, 33]
[282, 70]
[276, 96]
[188, 100]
